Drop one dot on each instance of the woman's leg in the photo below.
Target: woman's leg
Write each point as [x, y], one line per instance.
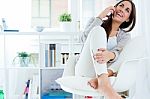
[87, 66]
[105, 88]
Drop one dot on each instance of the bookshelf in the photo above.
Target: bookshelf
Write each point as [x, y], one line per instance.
[40, 78]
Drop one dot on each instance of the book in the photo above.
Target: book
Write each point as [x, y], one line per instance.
[46, 55]
[33, 88]
[58, 54]
[52, 56]
[26, 91]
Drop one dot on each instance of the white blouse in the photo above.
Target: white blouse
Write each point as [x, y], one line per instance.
[112, 42]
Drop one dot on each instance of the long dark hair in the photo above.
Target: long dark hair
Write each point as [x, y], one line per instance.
[126, 26]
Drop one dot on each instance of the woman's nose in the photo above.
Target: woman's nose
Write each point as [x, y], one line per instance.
[121, 10]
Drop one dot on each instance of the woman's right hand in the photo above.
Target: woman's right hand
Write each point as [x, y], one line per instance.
[104, 13]
[111, 73]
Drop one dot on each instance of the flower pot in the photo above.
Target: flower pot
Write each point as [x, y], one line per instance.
[65, 26]
[24, 61]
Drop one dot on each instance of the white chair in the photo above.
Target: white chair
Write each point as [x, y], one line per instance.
[129, 60]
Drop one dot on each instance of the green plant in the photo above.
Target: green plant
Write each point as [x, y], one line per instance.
[23, 54]
[65, 17]
[23, 58]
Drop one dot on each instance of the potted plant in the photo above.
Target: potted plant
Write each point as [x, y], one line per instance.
[23, 59]
[65, 22]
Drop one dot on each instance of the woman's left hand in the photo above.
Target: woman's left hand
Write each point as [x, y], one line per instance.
[103, 56]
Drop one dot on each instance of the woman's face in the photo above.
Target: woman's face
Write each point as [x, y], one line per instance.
[122, 12]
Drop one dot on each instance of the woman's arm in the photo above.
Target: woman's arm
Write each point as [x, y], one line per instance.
[91, 23]
[122, 40]
[105, 56]
[111, 73]
[95, 22]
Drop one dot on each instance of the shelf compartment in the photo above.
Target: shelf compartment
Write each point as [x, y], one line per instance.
[17, 82]
[2, 51]
[15, 44]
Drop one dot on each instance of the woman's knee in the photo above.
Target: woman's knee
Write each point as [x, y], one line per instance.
[98, 38]
[98, 31]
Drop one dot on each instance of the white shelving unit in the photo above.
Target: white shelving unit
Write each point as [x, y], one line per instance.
[2, 67]
[14, 77]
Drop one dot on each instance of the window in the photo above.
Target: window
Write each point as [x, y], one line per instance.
[25, 14]
[91, 8]
[46, 12]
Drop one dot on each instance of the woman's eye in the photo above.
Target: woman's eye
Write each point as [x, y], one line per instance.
[121, 5]
[127, 10]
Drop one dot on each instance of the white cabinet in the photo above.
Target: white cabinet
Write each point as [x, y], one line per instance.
[33, 78]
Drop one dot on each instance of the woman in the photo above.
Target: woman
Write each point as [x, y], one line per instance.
[105, 39]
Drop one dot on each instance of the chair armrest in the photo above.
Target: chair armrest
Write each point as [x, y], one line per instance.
[127, 74]
[136, 59]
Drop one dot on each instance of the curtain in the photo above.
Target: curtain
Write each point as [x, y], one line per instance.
[142, 88]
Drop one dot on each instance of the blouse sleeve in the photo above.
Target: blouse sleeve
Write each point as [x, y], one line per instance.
[91, 23]
[122, 41]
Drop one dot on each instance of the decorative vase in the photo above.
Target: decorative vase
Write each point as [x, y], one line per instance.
[24, 61]
[65, 26]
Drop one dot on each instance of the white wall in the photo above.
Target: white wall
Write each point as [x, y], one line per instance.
[16, 12]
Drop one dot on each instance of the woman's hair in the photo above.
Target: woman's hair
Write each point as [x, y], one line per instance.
[127, 26]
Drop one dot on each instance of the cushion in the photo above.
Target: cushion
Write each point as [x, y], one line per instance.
[77, 85]
[133, 50]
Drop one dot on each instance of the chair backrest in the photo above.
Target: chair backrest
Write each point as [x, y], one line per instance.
[130, 59]
[126, 76]
[134, 49]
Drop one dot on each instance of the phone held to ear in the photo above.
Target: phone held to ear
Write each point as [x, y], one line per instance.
[109, 15]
